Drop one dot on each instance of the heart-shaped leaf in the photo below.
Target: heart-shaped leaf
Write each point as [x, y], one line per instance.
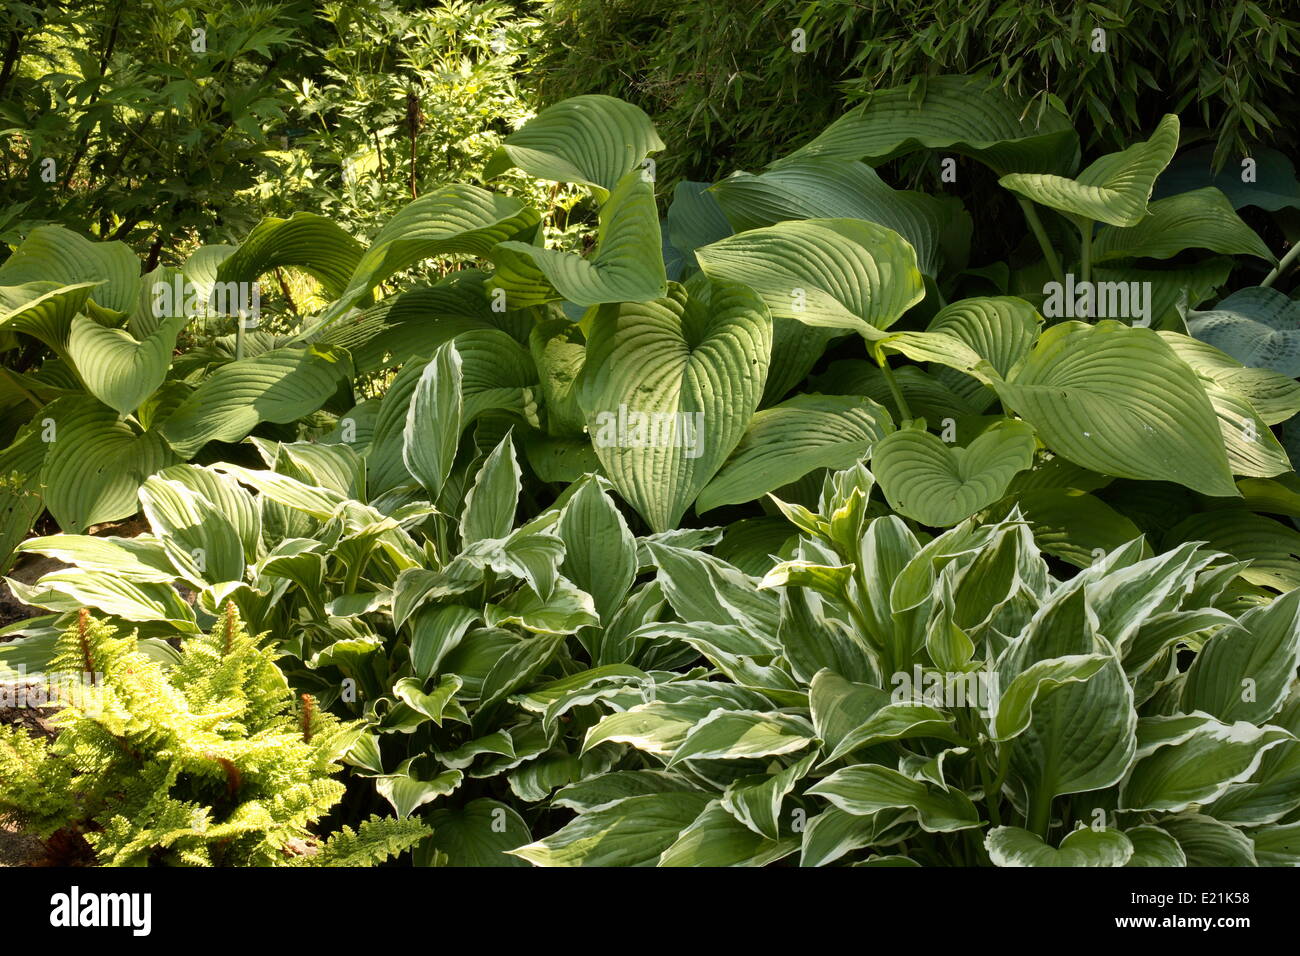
[1259, 327]
[1203, 219]
[1012, 846]
[119, 370]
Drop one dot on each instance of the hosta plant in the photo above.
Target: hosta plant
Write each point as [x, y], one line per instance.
[885, 699]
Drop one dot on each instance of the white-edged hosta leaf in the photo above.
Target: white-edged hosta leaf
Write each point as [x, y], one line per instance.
[281, 385]
[563, 612]
[716, 838]
[599, 550]
[657, 727]
[1012, 846]
[406, 793]
[633, 831]
[867, 789]
[1270, 546]
[967, 115]
[1152, 846]
[491, 503]
[668, 389]
[1257, 326]
[593, 140]
[410, 691]
[732, 735]
[433, 420]
[756, 801]
[787, 441]
[1119, 401]
[627, 265]
[939, 484]
[1201, 219]
[1114, 189]
[1277, 845]
[434, 632]
[208, 544]
[1206, 841]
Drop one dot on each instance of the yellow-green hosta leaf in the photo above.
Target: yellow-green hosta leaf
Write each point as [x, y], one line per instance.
[1012, 846]
[627, 265]
[72, 589]
[787, 441]
[1201, 219]
[1274, 396]
[668, 390]
[630, 832]
[134, 559]
[1114, 189]
[96, 463]
[1119, 401]
[454, 219]
[939, 484]
[56, 254]
[966, 115]
[1187, 760]
[593, 140]
[1252, 448]
[277, 386]
[305, 241]
[999, 329]
[43, 309]
[119, 370]
[867, 789]
[1271, 547]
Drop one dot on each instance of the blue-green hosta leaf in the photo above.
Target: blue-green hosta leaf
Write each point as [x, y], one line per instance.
[481, 833]
[1245, 673]
[1012, 846]
[627, 265]
[95, 463]
[1274, 186]
[491, 503]
[1274, 396]
[1202, 219]
[455, 219]
[732, 735]
[787, 441]
[633, 831]
[43, 309]
[1114, 189]
[118, 370]
[939, 484]
[1118, 400]
[717, 838]
[565, 611]
[867, 789]
[599, 550]
[277, 386]
[835, 188]
[56, 254]
[593, 140]
[1259, 327]
[965, 115]
[202, 540]
[1192, 759]
[305, 241]
[669, 388]
[694, 219]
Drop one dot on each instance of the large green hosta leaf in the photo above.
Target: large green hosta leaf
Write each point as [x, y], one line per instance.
[277, 386]
[1118, 400]
[117, 369]
[43, 309]
[453, 219]
[96, 463]
[1203, 219]
[939, 484]
[668, 390]
[594, 140]
[964, 115]
[787, 441]
[305, 240]
[1259, 327]
[1114, 189]
[627, 266]
[55, 254]
[835, 188]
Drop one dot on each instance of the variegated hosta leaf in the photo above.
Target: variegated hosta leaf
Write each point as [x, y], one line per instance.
[867, 789]
[277, 386]
[59, 255]
[1118, 400]
[1201, 219]
[633, 831]
[1012, 846]
[965, 115]
[939, 484]
[201, 539]
[1114, 189]
[306, 241]
[787, 441]
[716, 838]
[117, 369]
[1259, 327]
[627, 265]
[594, 140]
[433, 422]
[453, 219]
[669, 388]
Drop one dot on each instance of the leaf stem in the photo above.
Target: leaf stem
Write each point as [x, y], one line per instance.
[1085, 265]
[1036, 226]
[1288, 260]
[904, 410]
